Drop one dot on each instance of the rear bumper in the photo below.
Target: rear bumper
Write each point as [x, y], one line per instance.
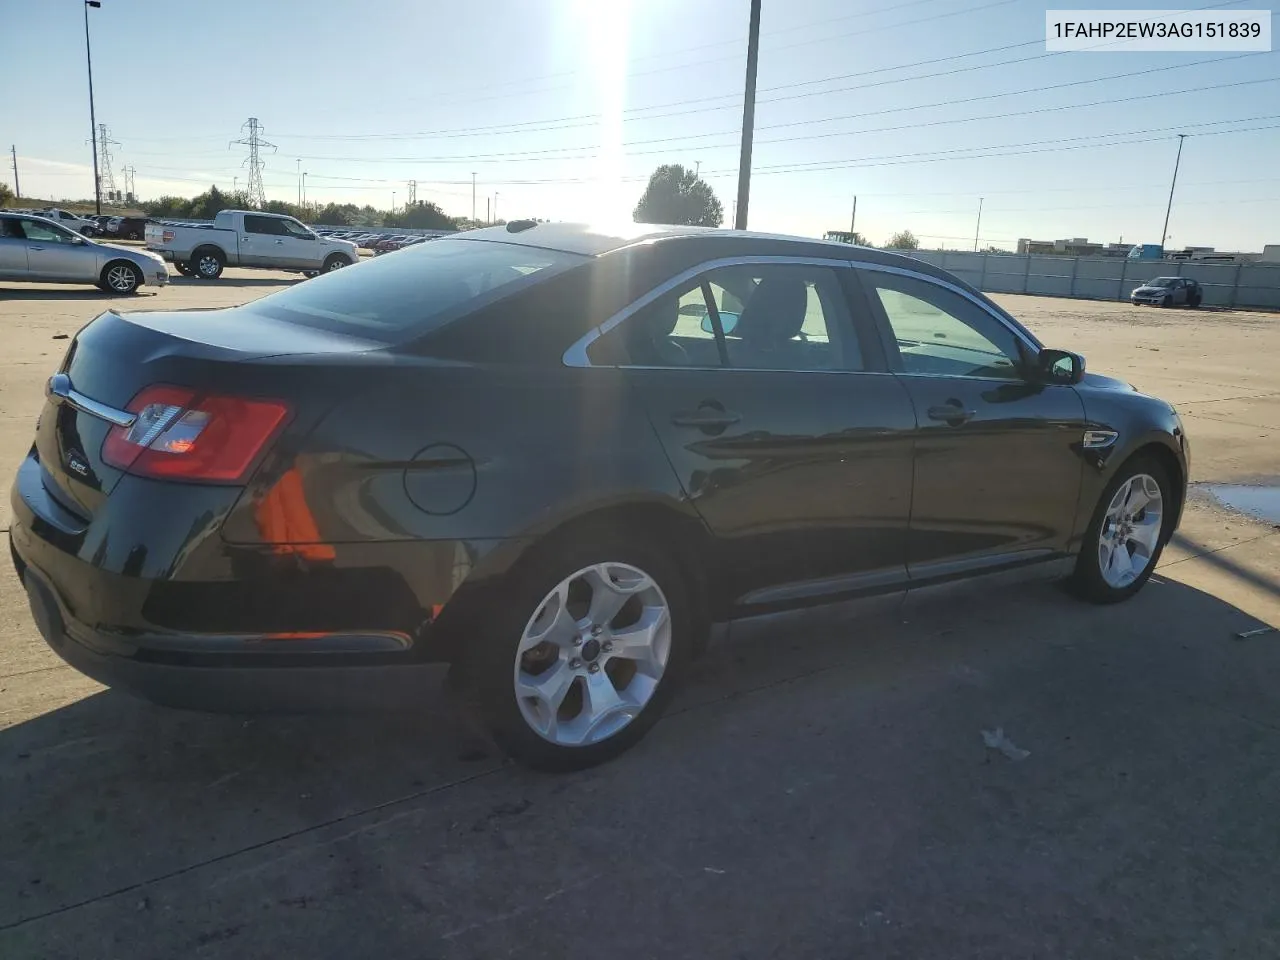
[167, 672]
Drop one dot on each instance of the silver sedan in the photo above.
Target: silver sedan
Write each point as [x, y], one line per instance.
[36, 249]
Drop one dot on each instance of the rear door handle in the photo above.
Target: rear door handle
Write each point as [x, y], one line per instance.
[951, 413]
[705, 418]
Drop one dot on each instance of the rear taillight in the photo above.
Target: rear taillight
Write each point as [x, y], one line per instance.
[180, 434]
[167, 236]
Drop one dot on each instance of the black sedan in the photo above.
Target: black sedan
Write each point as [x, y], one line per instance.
[550, 460]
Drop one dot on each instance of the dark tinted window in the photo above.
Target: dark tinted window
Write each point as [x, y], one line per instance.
[405, 294]
[267, 225]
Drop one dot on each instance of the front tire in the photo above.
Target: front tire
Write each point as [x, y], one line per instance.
[1127, 533]
[183, 267]
[207, 264]
[120, 277]
[335, 261]
[583, 652]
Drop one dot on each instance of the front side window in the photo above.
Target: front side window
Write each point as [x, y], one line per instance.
[940, 333]
[295, 229]
[46, 232]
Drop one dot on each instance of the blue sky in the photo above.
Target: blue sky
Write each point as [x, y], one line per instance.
[563, 107]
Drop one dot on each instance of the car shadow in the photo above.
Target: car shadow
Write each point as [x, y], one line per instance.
[109, 793]
[224, 281]
[73, 293]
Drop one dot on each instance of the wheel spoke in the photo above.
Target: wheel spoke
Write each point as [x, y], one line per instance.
[1146, 532]
[639, 640]
[1119, 567]
[601, 698]
[611, 588]
[548, 689]
[553, 624]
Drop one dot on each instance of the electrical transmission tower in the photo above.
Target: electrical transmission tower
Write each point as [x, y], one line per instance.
[413, 192]
[255, 163]
[106, 179]
[129, 189]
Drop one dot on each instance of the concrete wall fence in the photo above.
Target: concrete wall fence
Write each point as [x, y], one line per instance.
[1108, 278]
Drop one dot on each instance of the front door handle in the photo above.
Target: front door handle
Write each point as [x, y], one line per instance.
[952, 413]
[705, 418]
[35, 248]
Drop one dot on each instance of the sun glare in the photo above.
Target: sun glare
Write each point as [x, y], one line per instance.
[606, 29]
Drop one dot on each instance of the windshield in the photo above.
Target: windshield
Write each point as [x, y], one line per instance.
[404, 294]
[1161, 282]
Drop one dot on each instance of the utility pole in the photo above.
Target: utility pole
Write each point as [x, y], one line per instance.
[304, 189]
[255, 163]
[235, 185]
[748, 119]
[487, 217]
[473, 196]
[17, 187]
[299, 181]
[853, 217]
[93, 123]
[1164, 233]
[697, 168]
[978, 226]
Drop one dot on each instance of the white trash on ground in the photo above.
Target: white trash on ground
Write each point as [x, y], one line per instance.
[996, 740]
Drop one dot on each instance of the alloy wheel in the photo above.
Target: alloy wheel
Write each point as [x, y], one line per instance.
[208, 266]
[336, 265]
[121, 279]
[1130, 530]
[592, 654]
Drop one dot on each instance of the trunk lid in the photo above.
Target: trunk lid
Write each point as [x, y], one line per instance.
[115, 356]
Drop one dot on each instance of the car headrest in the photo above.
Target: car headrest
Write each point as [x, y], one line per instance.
[775, 311]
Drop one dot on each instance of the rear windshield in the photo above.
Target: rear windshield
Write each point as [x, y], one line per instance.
[401, 295]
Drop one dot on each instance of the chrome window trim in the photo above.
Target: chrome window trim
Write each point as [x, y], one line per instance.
[576, 354]
[59, 390]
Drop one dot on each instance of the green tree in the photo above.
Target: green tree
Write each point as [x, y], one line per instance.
[6, 195]
[677, 195]
[423, 215]
[903, 240]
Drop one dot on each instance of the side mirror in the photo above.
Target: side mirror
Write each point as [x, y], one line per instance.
[1059, 366]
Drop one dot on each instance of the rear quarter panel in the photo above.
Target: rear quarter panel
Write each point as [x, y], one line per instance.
[471, 453]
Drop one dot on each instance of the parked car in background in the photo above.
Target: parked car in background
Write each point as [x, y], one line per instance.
[1169, 292]
[247, 238]
[128, 228]
[84, 226]
[37, 249]
[550, 458]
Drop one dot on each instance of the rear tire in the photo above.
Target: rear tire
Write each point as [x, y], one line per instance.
[1124, 541]
[566, 578]
[120, 276]
[207, 263]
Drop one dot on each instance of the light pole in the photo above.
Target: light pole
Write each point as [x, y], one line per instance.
[1164, 233]
[495, 206]
[235, 184]
[473, 197]
[299, 181]
[393, 201]
[304, 189]
[748, 119]
[93, 123]
[978, 227]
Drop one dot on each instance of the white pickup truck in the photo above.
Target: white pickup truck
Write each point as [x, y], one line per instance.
[246, 238]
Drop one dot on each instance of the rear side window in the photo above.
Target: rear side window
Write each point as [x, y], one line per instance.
[414, 291]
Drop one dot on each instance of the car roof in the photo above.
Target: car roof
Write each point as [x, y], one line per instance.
[595, 240]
